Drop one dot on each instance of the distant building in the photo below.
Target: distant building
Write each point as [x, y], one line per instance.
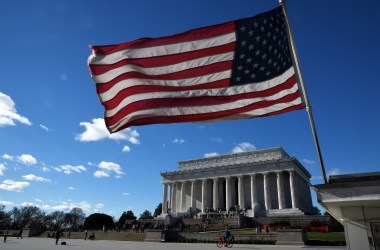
[261, 183]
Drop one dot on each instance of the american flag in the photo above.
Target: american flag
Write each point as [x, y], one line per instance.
[235, 70]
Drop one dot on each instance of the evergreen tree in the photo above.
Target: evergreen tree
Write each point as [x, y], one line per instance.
[146, 215]
[158, 210]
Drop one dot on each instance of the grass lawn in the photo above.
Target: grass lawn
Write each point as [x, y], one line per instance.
[333, 236]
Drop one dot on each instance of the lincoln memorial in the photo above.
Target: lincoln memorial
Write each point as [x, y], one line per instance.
[265, 182]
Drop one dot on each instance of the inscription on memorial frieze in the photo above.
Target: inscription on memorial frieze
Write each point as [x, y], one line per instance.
[233, 159]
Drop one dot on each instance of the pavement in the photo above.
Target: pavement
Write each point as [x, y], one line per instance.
[80, 244]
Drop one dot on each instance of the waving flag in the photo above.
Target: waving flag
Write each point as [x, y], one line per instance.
[235, 70]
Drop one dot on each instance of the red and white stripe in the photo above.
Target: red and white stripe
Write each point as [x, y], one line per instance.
[183, 78]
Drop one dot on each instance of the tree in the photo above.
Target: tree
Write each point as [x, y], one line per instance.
[31, 216]
[316, 211]
[98, 220]
[158, 210]
[334, 225]
[5, 218]
[129, 215]
[75, 218]
[57, 219]
[146, 215]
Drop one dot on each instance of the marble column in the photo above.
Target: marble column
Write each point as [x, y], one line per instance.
[228, 193]
[170, 205]
[215, 197]
[192, 194]
[268, 203]
[203, 209]
[173, 198]
[253, 192]
[165, 199]
[183, 197]
[293, 188]
[280, 193]
[241, 192]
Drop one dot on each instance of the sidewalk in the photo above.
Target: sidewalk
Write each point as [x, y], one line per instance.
[78, 244]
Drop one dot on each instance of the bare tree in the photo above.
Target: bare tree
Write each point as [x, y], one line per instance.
[5, 219]
[57, 219]
[75, 218]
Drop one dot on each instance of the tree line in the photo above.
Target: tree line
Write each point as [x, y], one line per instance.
[73, 220]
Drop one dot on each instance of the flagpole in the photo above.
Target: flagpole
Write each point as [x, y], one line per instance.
[303, 88]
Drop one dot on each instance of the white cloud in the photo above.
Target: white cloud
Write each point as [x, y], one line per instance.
[45, 169]
[126, 149]
[334, 171]
[125, 194]
[32, 177]
[100, 174]
[2, 168]
[97, 131]
[178, 141]
[7, 203]
[38, 200]
[65, 206]
[8, 157]
[211, 154]
[63, 77]
[8, 112]
[44, 127]
[16, 186]
[68, 169]
[107, 168]
[27, 159]
[99, 205]
[218, 140]
[28, 204]
[243, 147]
[309, 162]
[71, 188]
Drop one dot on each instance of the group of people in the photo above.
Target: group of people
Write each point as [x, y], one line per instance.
[6, 234]
[91, 237]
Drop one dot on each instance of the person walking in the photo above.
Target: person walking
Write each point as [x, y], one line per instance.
[85, 235]
[6, 232]
[57, 236]
[19, 234]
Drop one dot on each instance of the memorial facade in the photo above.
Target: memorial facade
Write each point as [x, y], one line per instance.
[261, 183]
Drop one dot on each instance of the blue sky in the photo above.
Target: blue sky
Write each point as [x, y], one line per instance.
[55, 152]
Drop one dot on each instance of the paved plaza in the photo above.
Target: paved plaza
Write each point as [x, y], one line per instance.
[78, 244]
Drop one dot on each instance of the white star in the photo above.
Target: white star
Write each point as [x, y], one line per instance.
[256, 24]
[243, 43]
[246, 71]
[249, 60]
[251, 46]
[255, 65]
[250, 33]
[268, 73]
[242, 56]
[253, 76]
[262, 68]
[258, 38]
[242, 28]
[257, 52]
[237, 79]
[239, 67]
